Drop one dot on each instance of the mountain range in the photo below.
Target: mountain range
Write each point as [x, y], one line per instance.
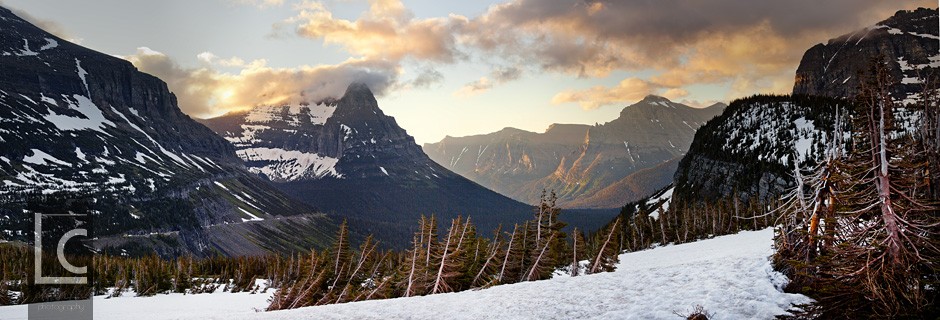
[79, 124]
[599, 166]
[347, 158]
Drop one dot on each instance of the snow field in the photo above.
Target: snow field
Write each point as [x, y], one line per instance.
[730, 276]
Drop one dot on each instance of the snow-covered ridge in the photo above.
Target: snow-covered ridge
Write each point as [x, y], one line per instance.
[768, 131]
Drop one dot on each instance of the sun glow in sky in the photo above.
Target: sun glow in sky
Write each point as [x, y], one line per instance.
[461, 67]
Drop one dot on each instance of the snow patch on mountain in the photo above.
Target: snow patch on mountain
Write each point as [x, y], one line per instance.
[93, 118]
[44, 159]
[292, 114]
[664, 198]
[288, 165]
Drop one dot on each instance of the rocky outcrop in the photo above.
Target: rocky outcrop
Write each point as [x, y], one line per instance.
[578, 162]
[750, 151]
[909, 41]
[75, 123]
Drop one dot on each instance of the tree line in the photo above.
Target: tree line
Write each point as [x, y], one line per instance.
[438, 261]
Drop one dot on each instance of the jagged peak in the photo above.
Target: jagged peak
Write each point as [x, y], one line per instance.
[358, 88]
[654, 102]
[655, 98]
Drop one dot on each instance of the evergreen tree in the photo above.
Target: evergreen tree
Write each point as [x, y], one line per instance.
[577, 252]
[607, 254]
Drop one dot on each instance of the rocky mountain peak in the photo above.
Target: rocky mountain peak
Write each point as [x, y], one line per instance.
[359, 96]
[652, 98]
[908, 41]
[358, 162]
[578, 161]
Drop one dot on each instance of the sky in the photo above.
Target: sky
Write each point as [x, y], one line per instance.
[461, 67]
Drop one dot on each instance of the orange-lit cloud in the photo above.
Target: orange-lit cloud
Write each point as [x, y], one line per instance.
[628, 90]
[205, 91]
[753, 46]
[387, 31]
[498, 75]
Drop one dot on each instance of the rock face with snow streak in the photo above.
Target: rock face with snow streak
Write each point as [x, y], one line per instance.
[909, 39]
[354, 161]
[588, 166]
[78, 123]
[751, 149]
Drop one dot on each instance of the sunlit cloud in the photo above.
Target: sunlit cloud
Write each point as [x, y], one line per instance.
[628, 90]
[386, 31]
[474, 88]
[205, 91]
[754, 46]
[212, 59]
[498, 75]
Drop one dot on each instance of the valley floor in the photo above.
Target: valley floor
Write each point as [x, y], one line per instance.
[730, 276]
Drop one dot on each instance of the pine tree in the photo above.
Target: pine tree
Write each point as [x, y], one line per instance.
[607, 255]
[577, 252]
[512, 260]
[491, 266]
[450, 257]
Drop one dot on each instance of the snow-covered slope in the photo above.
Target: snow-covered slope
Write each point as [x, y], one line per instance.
[730, 276]
[80, 124]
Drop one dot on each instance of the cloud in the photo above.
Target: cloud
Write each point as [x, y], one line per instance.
[753, 45]
[387, 30]
[211, 59]
[206, 92]
[506, 74]
[675, 93]
[474, 88]
[499, 75]
[628, 90]
[748, 46]
[426, 78]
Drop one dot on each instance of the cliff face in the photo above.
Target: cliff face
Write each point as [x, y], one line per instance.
[75, 123]
[584, 164]
[909, 41]
[750, 151]
[347, 158]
